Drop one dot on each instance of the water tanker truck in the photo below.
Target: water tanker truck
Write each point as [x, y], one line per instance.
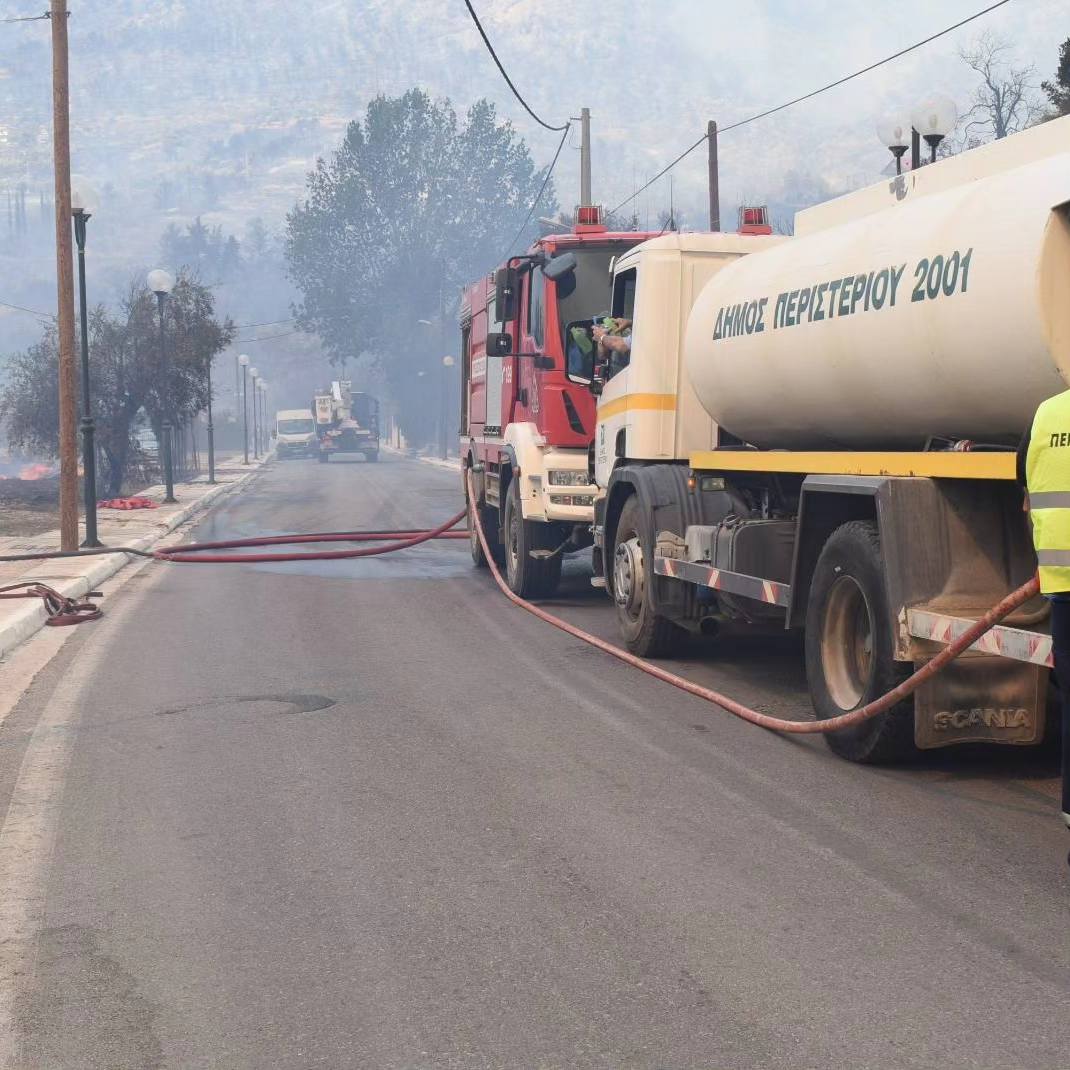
[821, 436]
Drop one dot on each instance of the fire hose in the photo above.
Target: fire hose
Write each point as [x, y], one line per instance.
[65, 611]
[59, 609]
[777, 724]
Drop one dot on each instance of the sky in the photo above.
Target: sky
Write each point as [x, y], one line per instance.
[727, 60]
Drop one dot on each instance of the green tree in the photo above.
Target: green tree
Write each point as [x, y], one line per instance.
[413, 205]
[1058, 89]
[127, 381]
[207, 251]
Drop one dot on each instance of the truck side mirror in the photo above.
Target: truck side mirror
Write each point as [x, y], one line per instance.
[506, 290]
[559, 266]
[499, 345]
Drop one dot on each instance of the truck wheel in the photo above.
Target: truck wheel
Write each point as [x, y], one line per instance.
[372, 456]
[646, 633]
[479, 559]
[527, 576]
[849, 647]
[324, 457]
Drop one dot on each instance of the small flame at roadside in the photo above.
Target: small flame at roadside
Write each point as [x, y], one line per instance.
[36, 471]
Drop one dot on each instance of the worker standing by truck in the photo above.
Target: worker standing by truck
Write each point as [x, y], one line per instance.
[1044, 466]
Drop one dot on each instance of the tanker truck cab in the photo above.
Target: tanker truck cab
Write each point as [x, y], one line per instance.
[649, 418]
[820, 436]
[528, 419]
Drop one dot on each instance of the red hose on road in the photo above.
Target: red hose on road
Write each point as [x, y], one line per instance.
[197, 552]
[777, 724]
[59, 609]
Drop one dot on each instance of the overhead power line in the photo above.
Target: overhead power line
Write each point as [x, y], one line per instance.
[266, 323]
[542, 190]
[508, 80]
[266, 338]
[29, 18]
[31, 311]
[813, 93]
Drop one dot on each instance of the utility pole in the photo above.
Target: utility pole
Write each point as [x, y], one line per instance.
[585, 156]
[61, 151]
[715, 178]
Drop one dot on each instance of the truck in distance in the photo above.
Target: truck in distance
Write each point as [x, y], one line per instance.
[295, 434]
[346, 421]
[821, 436]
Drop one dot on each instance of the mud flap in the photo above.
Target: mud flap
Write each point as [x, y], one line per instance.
[981, 700]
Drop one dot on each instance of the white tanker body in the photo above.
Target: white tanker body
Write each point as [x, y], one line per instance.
[843, 414]
[946, 315]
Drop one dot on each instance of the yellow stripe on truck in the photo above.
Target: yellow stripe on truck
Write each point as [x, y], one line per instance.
[636, 403]
[949, 465]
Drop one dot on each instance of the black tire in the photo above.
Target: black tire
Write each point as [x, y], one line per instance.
[849, 647]
[490, 530]
[527, 576]
[475, 547]
[645, 632]
[324, 456]
[372, 456]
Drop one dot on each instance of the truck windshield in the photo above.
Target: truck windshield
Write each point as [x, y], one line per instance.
[296, 427]
[586, 292]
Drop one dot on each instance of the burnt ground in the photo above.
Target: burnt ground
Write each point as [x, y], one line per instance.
[28, 506]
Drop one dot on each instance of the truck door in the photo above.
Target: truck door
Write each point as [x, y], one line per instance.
[533, 342]
[611, 440]
[493, 385]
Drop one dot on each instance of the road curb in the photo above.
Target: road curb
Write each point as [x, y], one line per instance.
[29, 617]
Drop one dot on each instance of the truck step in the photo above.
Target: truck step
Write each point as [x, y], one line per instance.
[598, 581]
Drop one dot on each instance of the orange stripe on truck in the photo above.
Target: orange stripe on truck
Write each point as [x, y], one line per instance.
[637, 402]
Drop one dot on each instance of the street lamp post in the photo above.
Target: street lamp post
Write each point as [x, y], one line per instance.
[447, 363]
[80, 199]
[894, 131]
[265, 438]
[211, 428]
[243, 361]
[256, 423]
[161, 284]
[934, 119]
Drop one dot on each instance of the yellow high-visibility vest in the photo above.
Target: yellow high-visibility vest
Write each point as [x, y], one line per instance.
[1047, 469]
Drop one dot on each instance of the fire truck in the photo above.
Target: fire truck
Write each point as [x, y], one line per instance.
[525, 429]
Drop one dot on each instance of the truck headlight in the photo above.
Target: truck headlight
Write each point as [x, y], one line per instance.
[572, 499]
[568, 478]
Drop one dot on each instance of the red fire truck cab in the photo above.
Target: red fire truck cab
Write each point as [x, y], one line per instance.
[526, 428]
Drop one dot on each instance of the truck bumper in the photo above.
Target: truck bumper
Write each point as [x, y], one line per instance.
[556, 502]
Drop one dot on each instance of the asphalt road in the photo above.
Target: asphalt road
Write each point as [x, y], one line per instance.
[368, 814]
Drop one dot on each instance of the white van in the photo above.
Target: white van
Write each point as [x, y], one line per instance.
[295, 433]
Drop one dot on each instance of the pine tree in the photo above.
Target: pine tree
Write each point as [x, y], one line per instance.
[1058, 90]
